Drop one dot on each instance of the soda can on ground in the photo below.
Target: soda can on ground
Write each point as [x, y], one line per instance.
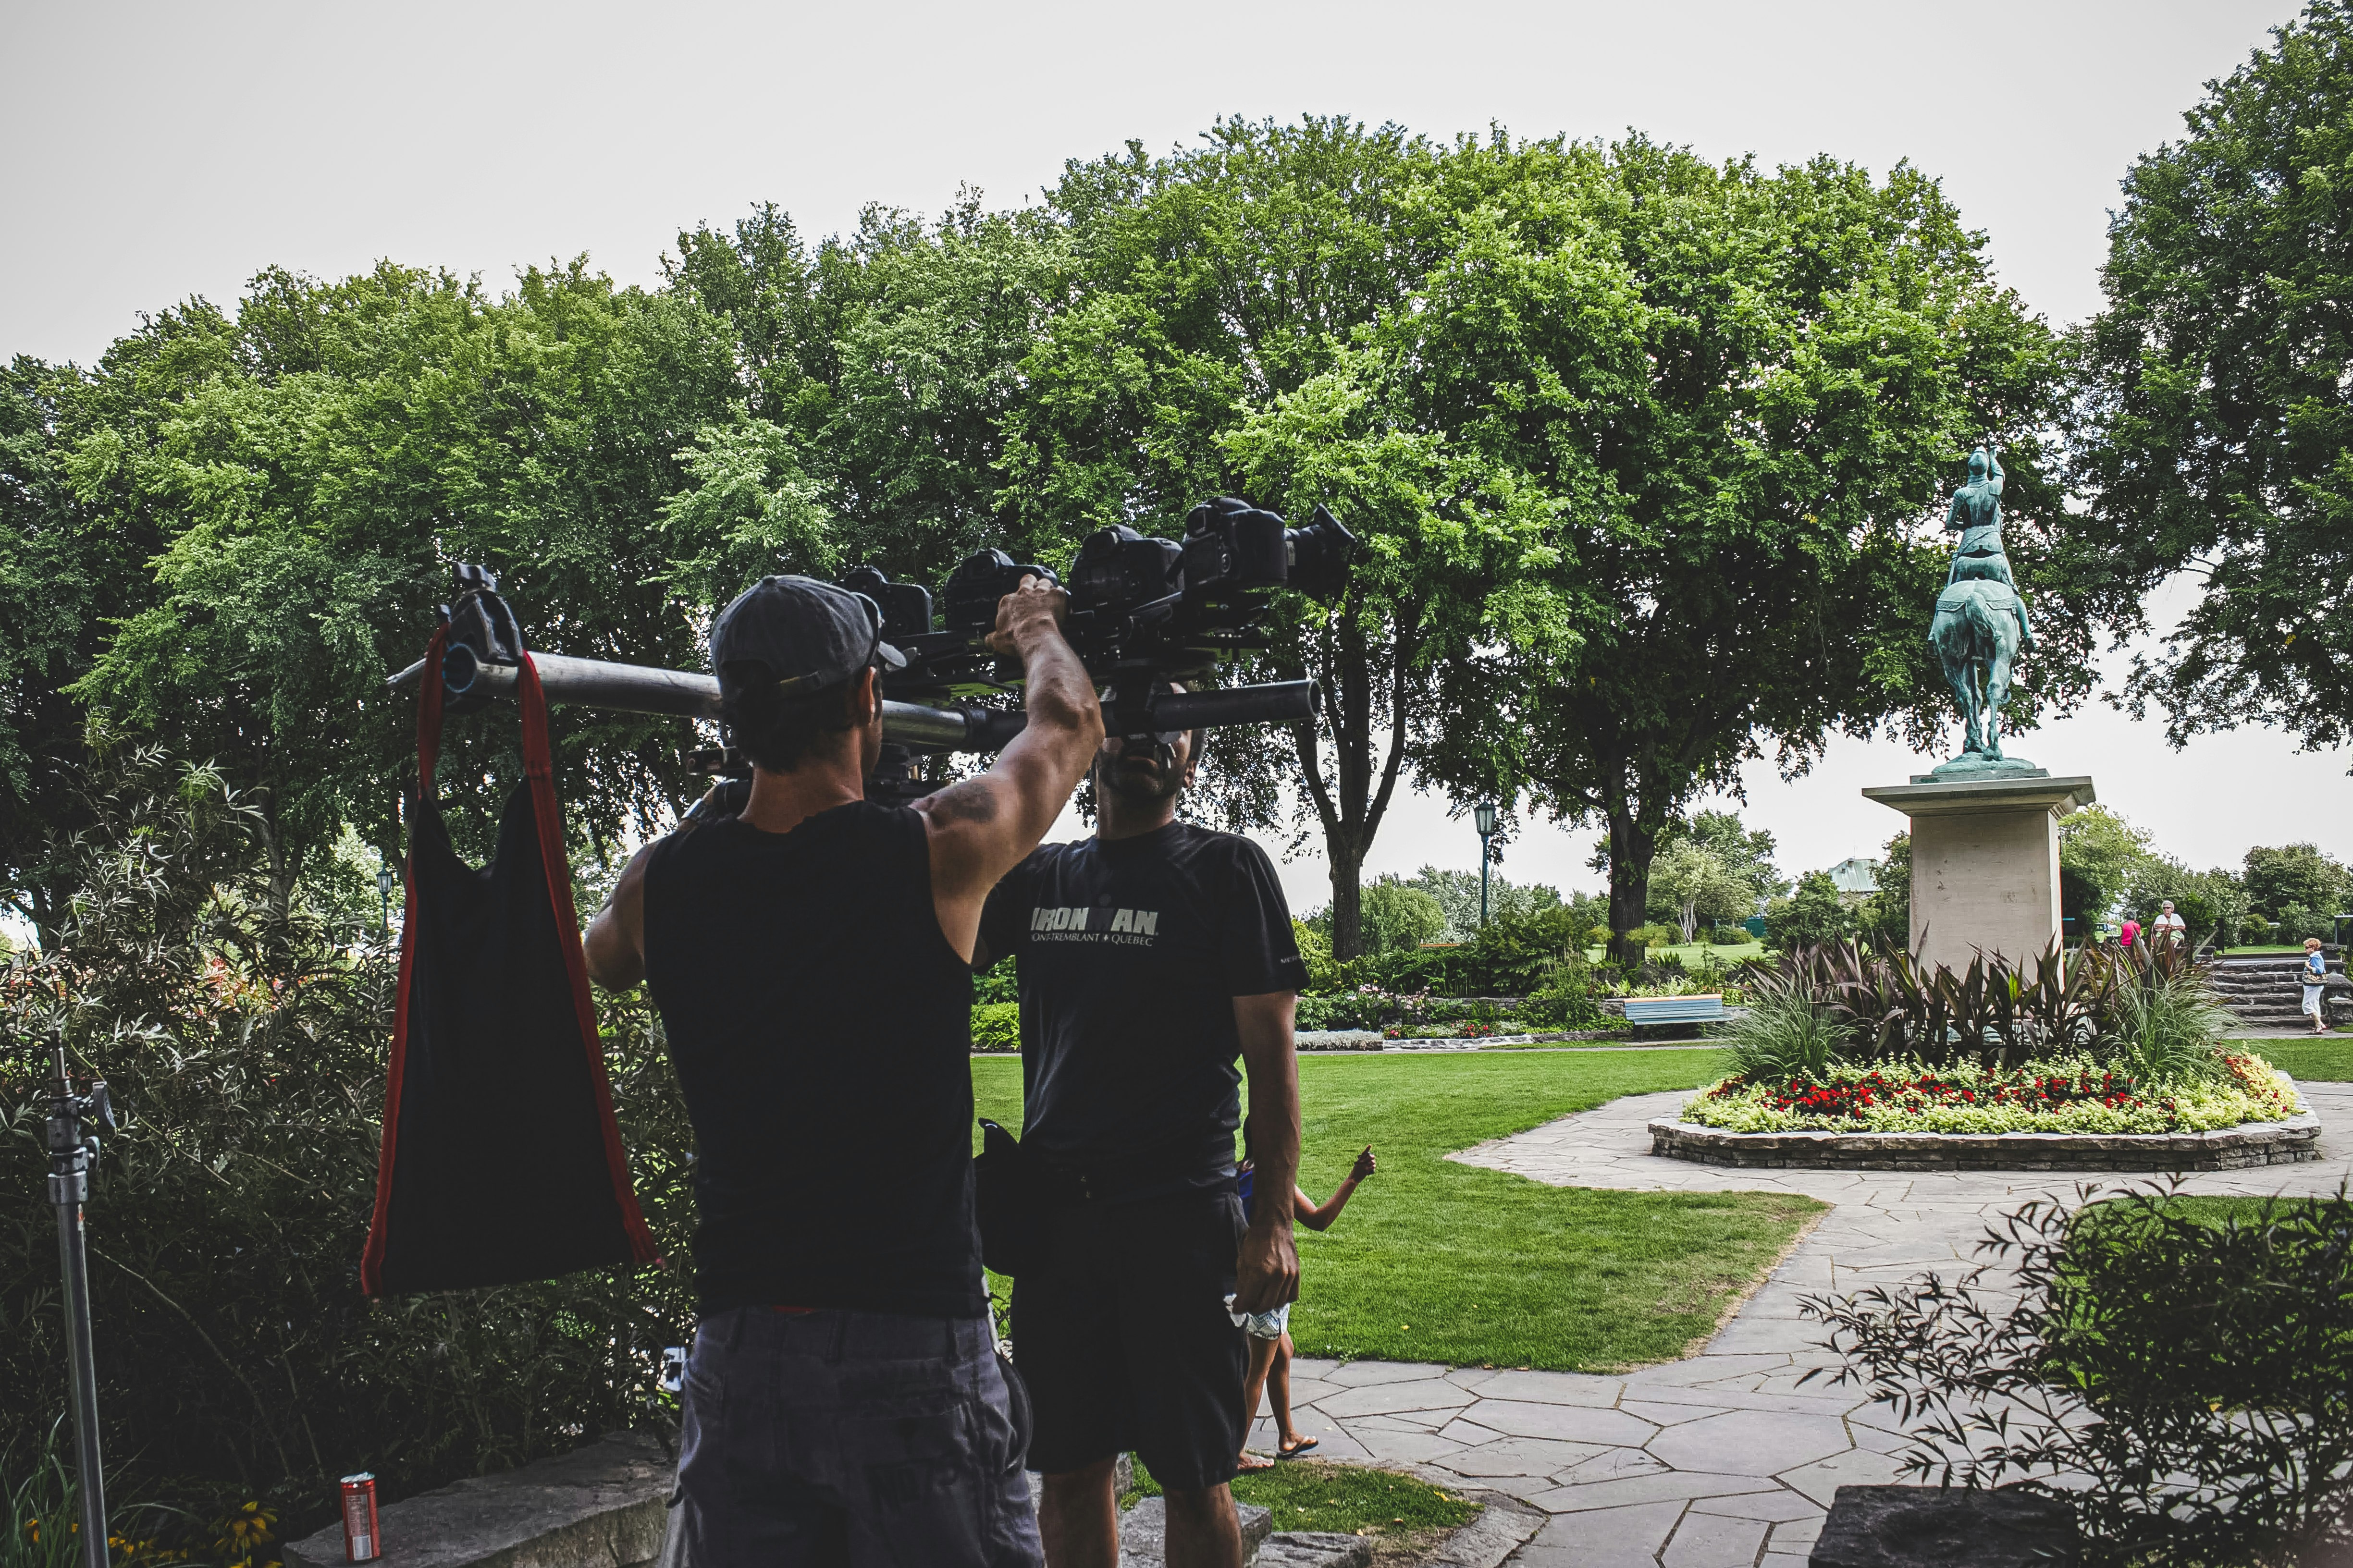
[360, 1543]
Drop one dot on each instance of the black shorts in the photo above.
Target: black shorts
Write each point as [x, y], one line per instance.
[1126, 1344]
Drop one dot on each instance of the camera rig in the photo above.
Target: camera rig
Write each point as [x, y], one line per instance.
[1144, 611]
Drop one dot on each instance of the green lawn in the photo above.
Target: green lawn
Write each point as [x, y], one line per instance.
[1440, 1262]
[2324, 1058]
[1348, 1499]
[1691, 952]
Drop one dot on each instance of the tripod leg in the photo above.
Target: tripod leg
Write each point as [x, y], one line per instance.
[83, 1373]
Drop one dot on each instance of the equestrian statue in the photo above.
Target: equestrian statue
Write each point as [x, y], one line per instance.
[1981, 624]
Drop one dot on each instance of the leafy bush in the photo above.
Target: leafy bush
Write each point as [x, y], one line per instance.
[1782, 1036]
[2298, 924]
[1657, 935]
[1810, 916]
[1564, 999]
[997, 982]
[1315, 954]
[236, 1356]
[1398, 918]
[996, 1026]
[2195, 1374]
[2067, 1094]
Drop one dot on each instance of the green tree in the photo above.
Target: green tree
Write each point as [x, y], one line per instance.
[343, 444]
[1811, 915]
[1399, 916]
[2211, 903]
[2215, 429]
[1746, 852]
[1885, 917]
[1741, 397]
[2298, 874]
[1213, 346]
[2097, 851]
[1457, 893]
[62, 579]
[1696, 885]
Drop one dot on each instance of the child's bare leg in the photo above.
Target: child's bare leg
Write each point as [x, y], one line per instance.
[1261, 1357]
[1278, 1387]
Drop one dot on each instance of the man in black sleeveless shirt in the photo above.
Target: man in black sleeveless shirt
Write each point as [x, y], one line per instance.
[811, 960]
[1150, 957]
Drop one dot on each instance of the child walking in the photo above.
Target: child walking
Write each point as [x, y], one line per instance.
[1270, 1332]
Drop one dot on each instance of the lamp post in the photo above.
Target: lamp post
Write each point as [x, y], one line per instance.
[383, 880]
[1482, 816]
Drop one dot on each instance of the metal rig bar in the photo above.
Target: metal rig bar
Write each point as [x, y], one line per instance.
[642, 688]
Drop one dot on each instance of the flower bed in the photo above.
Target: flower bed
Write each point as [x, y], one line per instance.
[2068, 1094]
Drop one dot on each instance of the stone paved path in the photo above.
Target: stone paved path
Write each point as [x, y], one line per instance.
[1720, 1461]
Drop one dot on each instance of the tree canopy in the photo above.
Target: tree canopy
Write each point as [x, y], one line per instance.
[1739, 398]
[2214, 431]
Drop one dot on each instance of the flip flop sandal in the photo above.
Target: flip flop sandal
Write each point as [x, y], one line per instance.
[1252, 1463]
[1295, 1449]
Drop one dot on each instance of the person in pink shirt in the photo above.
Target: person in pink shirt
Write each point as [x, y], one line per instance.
[2132, 930]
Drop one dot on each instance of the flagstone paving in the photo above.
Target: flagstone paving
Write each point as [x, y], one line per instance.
[1722, 1460]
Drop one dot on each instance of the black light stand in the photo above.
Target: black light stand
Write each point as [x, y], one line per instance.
[73, 1154]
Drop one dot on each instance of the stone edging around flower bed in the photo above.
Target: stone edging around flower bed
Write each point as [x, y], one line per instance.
[2227, 1149]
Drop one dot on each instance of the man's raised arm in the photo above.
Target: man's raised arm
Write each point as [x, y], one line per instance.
[984, 827]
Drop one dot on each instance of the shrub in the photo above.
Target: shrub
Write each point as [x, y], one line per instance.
[997, 982]
[1657, 935]
[1810, 916]
[2297, 924]
[2192, 1377]
[236, 1352]
[996, 1026]
[1783, 1035]
[1564, 999]
[1315, 954]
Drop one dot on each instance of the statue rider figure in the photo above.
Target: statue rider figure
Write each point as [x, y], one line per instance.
[1976, 516]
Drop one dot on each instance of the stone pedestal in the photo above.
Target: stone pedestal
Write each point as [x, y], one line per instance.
[1985, 862]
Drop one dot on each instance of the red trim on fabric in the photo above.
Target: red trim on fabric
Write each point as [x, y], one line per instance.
[428, 752]
[539, 767]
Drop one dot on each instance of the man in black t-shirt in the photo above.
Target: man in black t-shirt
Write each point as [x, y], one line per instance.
[1150, 957]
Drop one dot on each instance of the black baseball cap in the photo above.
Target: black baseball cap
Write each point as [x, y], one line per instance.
[805, 635]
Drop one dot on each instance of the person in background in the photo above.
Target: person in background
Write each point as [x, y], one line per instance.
[2131, 929]
[1270, 1332]
[2316, 986]
[2166, 929]
[1152, 958]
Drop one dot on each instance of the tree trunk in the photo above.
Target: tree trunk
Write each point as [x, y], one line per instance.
[1633, 842]
[1688, 917]
[1347, 901]
[1359, 679]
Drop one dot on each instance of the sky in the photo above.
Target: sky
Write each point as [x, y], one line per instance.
[160, 151]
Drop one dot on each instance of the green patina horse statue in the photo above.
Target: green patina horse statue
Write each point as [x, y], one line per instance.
[1978, 627]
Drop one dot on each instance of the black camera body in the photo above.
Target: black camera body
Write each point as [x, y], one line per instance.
[1144, 610]
[1139, 602]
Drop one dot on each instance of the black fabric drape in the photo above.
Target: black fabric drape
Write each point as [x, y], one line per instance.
[501, 1161]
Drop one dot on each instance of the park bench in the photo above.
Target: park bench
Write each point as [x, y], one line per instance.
[1674, 1009]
